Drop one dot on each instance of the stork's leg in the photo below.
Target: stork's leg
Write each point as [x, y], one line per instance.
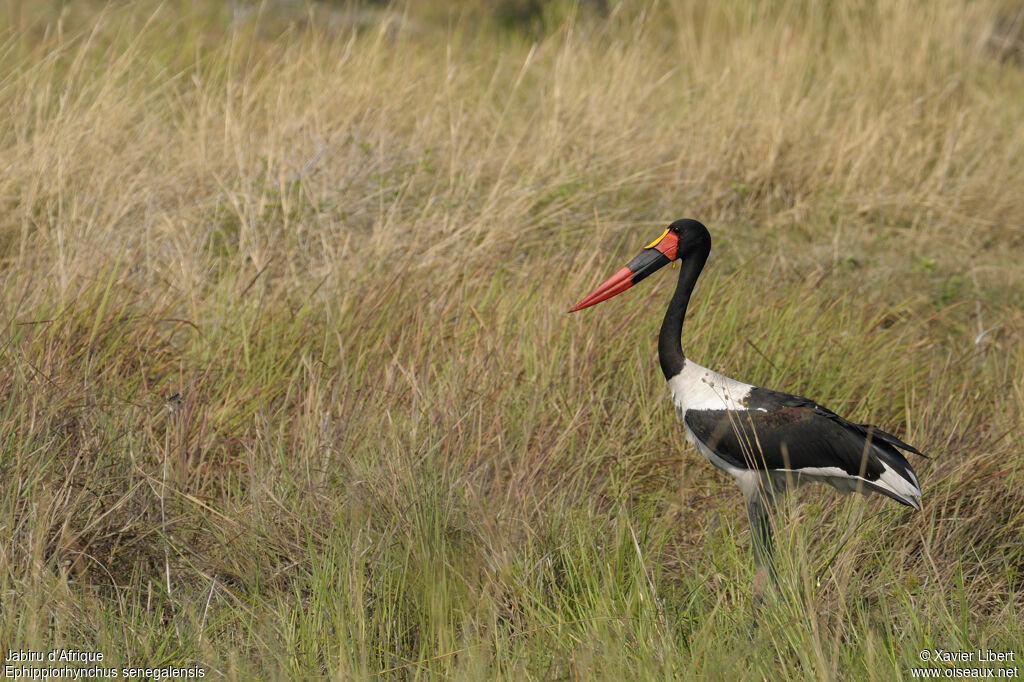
[758, 507]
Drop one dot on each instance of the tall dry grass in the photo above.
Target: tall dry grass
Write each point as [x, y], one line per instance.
[288, 385]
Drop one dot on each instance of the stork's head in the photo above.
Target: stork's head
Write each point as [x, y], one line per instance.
[679, 240]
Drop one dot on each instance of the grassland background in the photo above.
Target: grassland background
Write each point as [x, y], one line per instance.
[345, 239]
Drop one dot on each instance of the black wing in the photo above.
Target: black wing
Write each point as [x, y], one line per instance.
[782, 431]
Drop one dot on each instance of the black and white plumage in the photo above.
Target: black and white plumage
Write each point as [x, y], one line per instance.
[766, 440]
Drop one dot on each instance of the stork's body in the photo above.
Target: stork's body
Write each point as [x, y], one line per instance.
[752, 432]
[766, 440]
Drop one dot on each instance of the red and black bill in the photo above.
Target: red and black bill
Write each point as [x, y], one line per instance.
[655, 256]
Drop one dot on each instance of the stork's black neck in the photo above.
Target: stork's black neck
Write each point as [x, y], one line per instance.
[670, 346]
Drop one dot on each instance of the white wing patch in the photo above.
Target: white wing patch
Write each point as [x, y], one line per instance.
[911, 492]
[845, 483]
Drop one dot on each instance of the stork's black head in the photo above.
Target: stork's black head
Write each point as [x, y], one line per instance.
[693, 236]
[684, 238]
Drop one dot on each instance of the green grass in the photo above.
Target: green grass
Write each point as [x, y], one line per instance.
[347, 239]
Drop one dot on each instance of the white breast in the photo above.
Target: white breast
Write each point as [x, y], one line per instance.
[699, 388]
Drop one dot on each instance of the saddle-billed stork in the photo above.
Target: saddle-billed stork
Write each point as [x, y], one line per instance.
[768, 441]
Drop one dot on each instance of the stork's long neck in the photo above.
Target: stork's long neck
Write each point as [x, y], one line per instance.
[670, 346]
